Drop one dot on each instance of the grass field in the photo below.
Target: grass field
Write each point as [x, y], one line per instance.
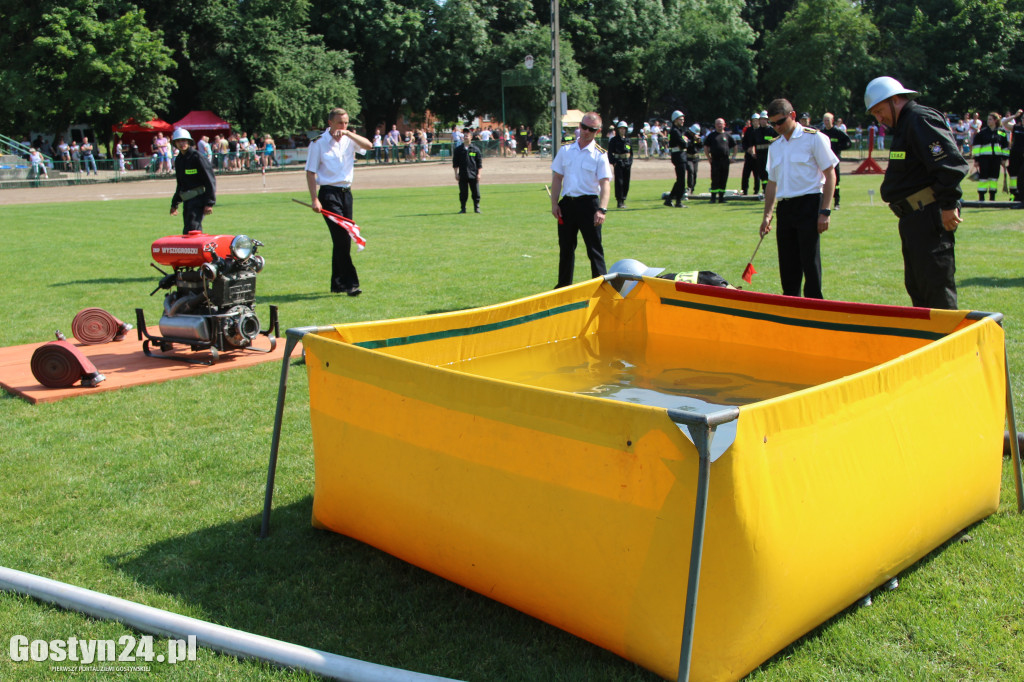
[154, 493]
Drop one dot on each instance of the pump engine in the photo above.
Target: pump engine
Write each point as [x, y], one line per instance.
[212, 295]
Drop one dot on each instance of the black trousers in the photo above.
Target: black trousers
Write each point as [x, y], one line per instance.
[679, 188]
[622, 174]
[719, 178]
[835, 193]
[691, 172]
[192, 213]
[929, 259]
[796, 236]
[578, 217]
[750, 168]
[343, 273]
[467, 186]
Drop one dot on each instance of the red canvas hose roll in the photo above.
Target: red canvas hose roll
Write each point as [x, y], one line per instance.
[96, 325]
[58, 364]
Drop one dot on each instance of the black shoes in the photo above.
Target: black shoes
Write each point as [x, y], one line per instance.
[476, 209]
[463, 210]
[668, 202]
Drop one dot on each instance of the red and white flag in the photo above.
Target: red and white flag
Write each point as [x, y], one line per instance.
[349, 226]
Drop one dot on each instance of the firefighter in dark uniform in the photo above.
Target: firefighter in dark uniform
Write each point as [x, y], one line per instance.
[197, 186]
[922, 187]
[839, 141]
[694, 145]
[1016, 154]
[749, 144]
[620, 152]
[468, 160]
[718, 146]
[677, 148]
[989, 149]
[765, 136]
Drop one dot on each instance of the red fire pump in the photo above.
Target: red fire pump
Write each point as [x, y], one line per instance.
[213, 292]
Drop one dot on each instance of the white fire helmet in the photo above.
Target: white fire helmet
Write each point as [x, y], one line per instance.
[676, 114]
[181, 134]
[883, 88]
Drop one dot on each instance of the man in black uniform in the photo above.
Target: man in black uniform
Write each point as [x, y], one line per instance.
[749, 145]
[197, 186]
[718, 146]
[1016, 154]
[694, 144]
[468, 160]
[620, 152]
[922, 187]
[677, 148]
[839, 141]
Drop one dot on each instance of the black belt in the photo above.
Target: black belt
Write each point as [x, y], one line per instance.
[914, 202]
[336, 188]
[582, 197]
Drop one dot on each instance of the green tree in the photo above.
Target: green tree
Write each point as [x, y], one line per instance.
[962, 54]
[255, 63]
[531, 105]
[701, 62]
[610, 39]
[394, 48]
[819, 57]
[81, 61]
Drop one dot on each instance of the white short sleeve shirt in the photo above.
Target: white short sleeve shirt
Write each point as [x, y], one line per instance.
[333, 161]
[582, 169]
[796, 165]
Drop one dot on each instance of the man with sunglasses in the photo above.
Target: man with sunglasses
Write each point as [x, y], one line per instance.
[802, 176]
[580, 187]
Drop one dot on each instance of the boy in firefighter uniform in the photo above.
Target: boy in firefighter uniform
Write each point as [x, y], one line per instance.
[694, 145]
[677, 148]
[765, 136]
[197, 186]
[468, 161]
[620, 152]
[990, 152]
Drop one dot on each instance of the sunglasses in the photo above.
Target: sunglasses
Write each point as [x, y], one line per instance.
[778, 122]
[586, 127]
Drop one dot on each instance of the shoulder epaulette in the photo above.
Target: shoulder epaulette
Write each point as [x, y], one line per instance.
[811, 130]
[600, 148]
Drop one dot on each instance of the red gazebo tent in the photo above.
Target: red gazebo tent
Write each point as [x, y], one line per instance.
[141, 133]
[204, 123]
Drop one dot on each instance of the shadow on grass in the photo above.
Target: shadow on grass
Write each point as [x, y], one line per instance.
[993, 282]
[107, 280]
[329, 592]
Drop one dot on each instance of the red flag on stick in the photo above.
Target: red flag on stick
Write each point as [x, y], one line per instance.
[343, 222]
[348, 226]
[749, 271]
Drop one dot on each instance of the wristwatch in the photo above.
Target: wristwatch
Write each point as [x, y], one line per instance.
[825, 211]
[602, 210]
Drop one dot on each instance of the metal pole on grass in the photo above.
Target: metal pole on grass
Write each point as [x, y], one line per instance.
[218, 637]
[702, 431]
[293, 336]
[1011, 424]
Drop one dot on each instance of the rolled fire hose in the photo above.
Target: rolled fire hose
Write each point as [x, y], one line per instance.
[96, 325]
[58, 364]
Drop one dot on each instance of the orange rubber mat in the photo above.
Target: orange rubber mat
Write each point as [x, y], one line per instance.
[123, 364]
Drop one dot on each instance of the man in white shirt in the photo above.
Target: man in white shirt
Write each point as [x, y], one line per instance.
[580, 187]
[331, 165]
[801, 174]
